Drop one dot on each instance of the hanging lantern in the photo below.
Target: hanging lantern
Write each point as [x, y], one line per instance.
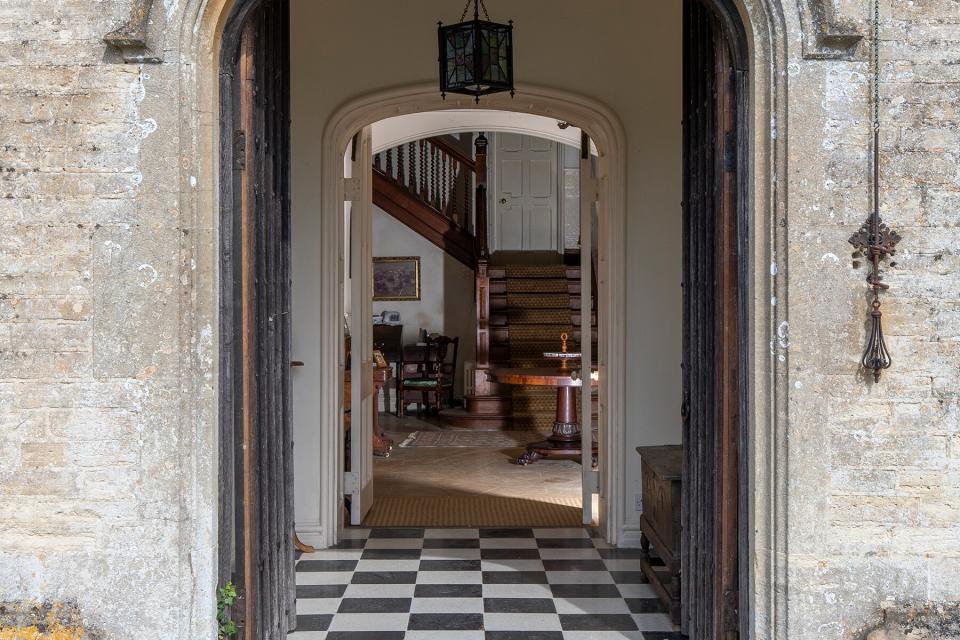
[476, 56]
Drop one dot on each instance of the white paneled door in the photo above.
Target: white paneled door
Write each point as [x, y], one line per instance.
[525, 197]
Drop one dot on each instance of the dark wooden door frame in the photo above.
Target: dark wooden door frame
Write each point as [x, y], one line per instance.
[716, 173]
[255, 445]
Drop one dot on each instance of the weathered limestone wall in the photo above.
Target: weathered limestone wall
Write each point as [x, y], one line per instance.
[105, 498]
[95, 490]
[874, 489]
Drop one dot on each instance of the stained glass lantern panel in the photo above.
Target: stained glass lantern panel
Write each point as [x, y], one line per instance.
[476, 58]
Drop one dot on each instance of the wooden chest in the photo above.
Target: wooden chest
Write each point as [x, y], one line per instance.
[661, 470]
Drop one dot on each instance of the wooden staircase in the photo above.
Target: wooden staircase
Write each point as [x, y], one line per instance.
[536, 302]
[428, 185]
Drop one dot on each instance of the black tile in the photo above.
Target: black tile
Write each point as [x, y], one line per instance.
[565, 543]
[350, 543]
[446, 621]
[390, 554]
[514, 577]
[620, 554]
[448, 591]
[326, 565]
[314, 622]
[574, 565]
[374, 605]
[518, 605]
[506, 533]
[451, 543]
[594, 532]
[645, 605]
[510, 554]
[629, 577]
[597, 622]
[384, 577]
[522, 635]
[365, 635]
[320, 590]
[657, 635]
[449, 565]
[585, 591]
[396, 533]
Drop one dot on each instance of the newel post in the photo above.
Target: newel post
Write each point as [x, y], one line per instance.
[481, 384]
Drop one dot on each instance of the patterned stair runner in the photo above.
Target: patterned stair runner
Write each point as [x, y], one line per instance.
[538, 311]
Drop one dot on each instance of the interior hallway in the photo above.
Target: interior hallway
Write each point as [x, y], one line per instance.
[467, 471]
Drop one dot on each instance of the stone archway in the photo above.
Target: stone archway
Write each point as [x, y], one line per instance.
[767, 21]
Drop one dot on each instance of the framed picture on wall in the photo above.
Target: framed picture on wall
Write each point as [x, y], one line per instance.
[396, 278]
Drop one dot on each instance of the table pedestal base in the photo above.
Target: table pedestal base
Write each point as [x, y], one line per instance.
[564, 442]
[555, 450]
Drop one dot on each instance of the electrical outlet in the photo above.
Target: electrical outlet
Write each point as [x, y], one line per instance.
[638, 502]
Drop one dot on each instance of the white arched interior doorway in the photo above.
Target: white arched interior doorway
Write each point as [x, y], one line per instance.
[544, 108]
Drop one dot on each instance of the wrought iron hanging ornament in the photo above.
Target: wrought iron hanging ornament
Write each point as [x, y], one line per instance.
[875, 240]
[476, 56]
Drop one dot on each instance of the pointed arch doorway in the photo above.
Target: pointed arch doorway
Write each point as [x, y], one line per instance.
[715, 227]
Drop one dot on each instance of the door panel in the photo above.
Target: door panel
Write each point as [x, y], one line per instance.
[361, 331]
[712, 399]
[525, 213]
[256, 450]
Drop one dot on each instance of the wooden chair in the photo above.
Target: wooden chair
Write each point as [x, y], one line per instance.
[426, 374]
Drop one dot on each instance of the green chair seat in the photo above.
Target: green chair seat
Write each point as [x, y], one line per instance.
[421, 383]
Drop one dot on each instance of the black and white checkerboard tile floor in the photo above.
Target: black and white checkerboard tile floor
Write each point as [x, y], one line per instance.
[476, 584]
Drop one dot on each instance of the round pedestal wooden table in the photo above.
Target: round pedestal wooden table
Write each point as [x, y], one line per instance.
[564, 441]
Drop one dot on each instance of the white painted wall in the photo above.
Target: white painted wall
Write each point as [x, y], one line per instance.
[446, 302]
[339, 53]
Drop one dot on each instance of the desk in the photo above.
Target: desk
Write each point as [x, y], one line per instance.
[564, 442]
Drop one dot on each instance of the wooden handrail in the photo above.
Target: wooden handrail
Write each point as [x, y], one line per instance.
[452, 151]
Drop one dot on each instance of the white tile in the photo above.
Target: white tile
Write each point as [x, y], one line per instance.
[333, 554]
[636, 591]
[591, 605]
[579, 577]
[394, 543]
[451, 533]
[369, 622]
[511, 565]
[450, 554]
[508, 543]
[447, 605]
[350, 533]
[517, 591]
[622, 565]
[444, 634]
[308, 606]
[379, 591]
[307, 635]
[560, 533]
[569, 554]
[521, 622]
[653, 621]
[388, 565]
[449, 577]
[324, 577]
